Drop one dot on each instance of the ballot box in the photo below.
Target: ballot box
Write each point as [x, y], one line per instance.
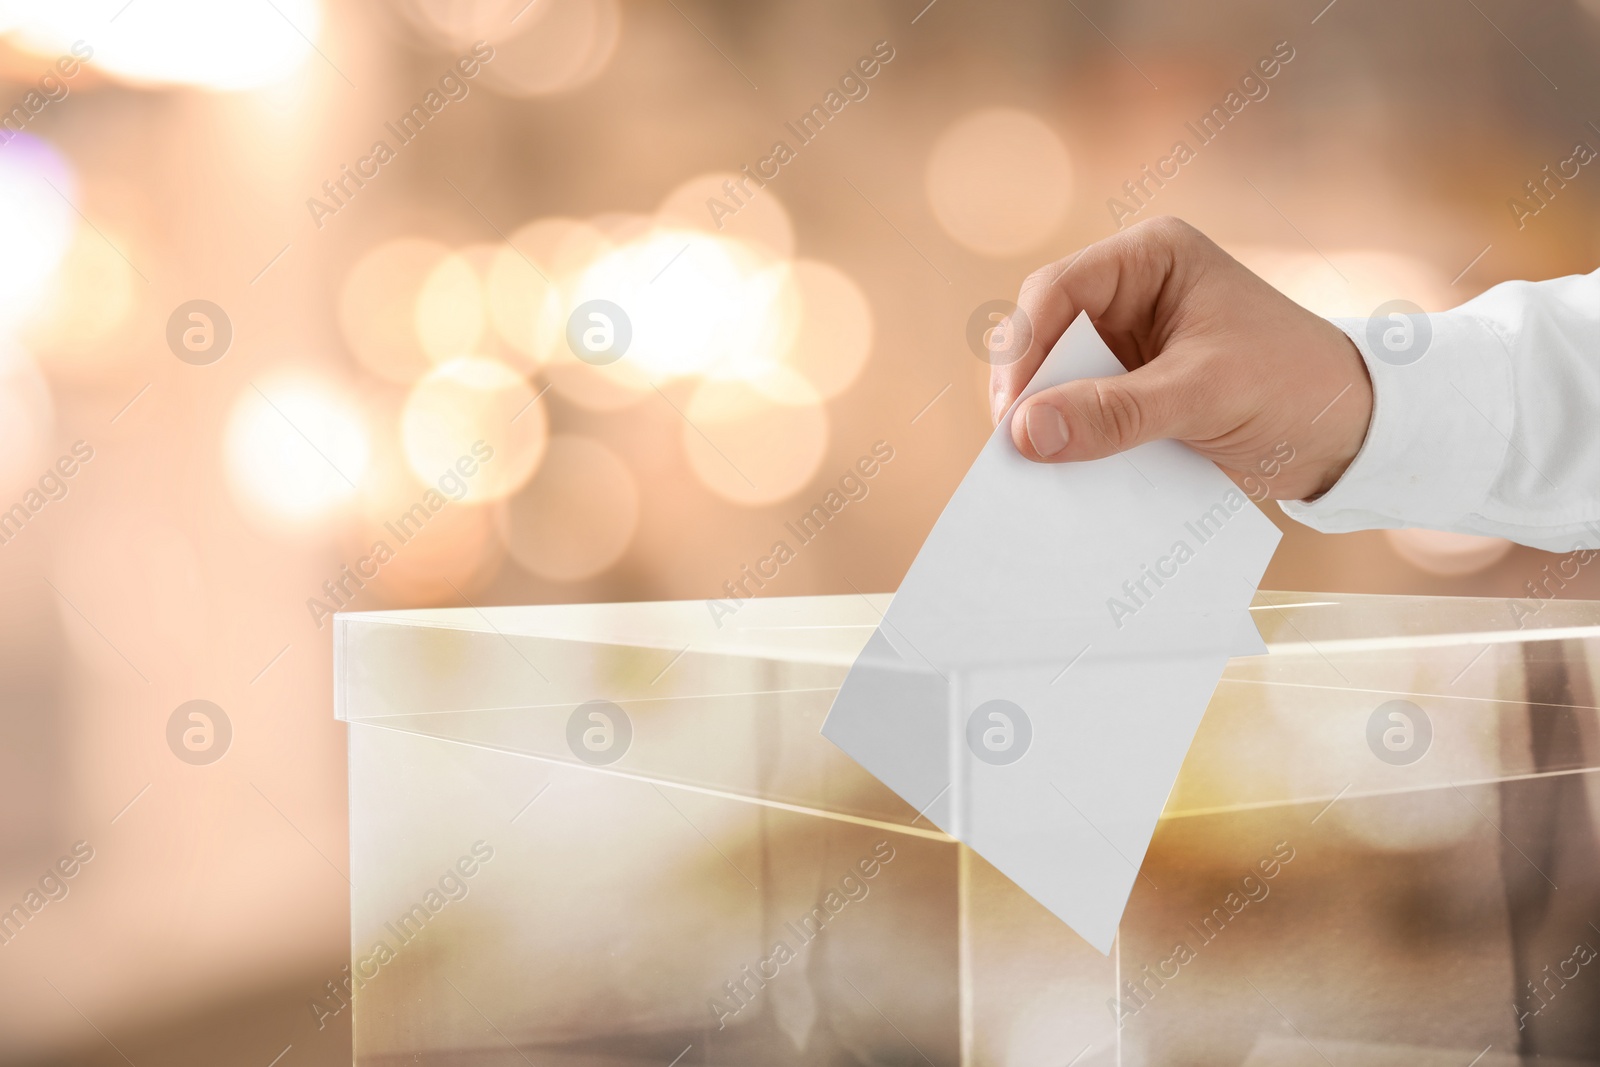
[609, 835]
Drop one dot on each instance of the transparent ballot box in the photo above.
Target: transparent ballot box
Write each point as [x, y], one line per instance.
[609, 835]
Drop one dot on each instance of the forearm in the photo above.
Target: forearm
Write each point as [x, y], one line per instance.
[1491, 431]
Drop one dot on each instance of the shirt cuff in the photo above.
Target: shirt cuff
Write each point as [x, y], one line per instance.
[1441, 425]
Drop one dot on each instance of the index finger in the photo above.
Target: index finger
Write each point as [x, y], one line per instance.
[1117, 281]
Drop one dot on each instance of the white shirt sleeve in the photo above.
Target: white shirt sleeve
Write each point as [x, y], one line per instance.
[1494, 429]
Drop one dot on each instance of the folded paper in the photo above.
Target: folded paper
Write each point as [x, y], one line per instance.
[1038, 677]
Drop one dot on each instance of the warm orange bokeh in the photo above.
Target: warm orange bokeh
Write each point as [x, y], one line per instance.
[264, 347]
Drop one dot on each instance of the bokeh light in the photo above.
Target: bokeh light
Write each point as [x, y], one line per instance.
[609, 388]
[623, 227]
[759, 216]
[457, 22]
[450, 312]
[1428, 820]
[294, 449]
[1324, 740]
[37, 225]
[531, 284]
[176, 42]
[523, 284]
[478, 414]
[834, 337]
[751, 448]
[75, 326]
[1345, 281]
[999, 181]
[578, 514]
[699, 305]
[557, 46]
[379, 304]
[1051, 1012]
[777, 338]
[1447, 554]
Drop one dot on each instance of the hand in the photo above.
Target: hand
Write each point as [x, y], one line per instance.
[1218, 359]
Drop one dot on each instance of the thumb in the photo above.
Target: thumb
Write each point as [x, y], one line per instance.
[1092, 418]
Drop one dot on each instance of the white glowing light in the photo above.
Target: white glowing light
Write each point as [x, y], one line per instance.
[1348, 281]
[698, 304]
[227, 46]
[36, 226]
[294, 449]
[1447, 554]
[479, 417]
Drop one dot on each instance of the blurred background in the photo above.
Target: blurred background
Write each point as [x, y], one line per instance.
[255, 368]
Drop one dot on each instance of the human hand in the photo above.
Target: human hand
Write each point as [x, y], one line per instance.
[1217, 359]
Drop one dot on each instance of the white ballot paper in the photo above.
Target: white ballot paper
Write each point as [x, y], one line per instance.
[1038, 678]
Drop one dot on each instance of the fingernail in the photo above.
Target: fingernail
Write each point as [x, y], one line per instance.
[1047, 430]
[997, 407]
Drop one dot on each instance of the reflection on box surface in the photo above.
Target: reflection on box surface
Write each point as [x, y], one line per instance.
[611, 834]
